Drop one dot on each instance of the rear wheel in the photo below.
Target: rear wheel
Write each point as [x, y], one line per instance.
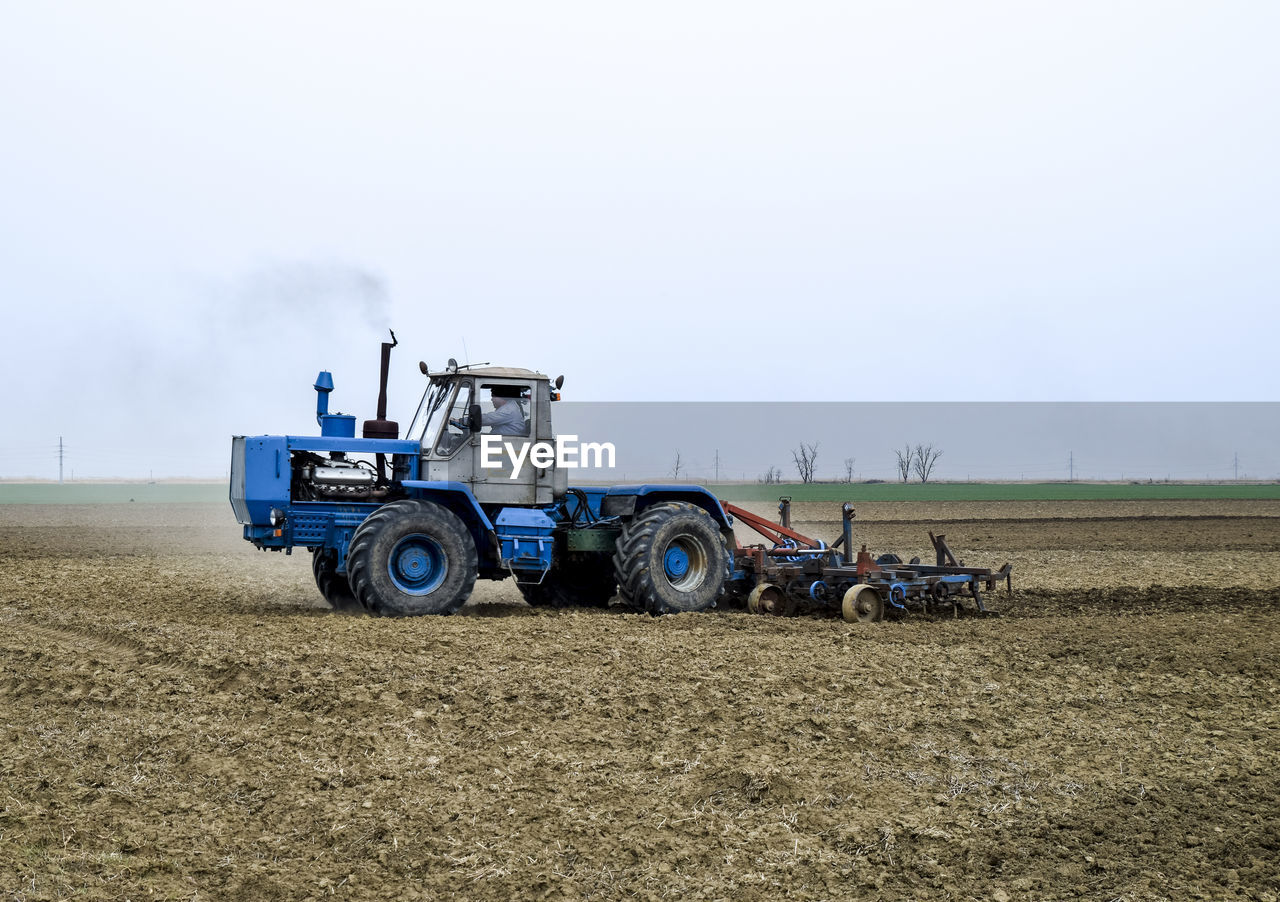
[671, 558]
[410, 558]
[332, 584]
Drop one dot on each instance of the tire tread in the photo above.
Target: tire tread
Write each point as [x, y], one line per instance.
[635, 581]
[360, 557]
[335, 587]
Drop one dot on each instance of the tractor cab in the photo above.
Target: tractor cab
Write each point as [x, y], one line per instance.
[477, 426]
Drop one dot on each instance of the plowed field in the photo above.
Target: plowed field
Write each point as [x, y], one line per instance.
[182, 719]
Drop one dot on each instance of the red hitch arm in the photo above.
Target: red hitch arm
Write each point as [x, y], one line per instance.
[767, 528]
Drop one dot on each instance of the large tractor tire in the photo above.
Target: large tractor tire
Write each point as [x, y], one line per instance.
[332, 584]
[671, 558]
[410, 558]
[573, 586]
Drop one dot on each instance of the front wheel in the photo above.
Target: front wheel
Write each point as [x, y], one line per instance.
[671, 558]
[332, 584]
[410, 558]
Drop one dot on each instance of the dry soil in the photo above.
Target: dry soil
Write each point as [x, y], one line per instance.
[182, 719]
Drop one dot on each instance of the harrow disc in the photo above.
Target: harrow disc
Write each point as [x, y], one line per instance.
[862, 604]
[768, 599]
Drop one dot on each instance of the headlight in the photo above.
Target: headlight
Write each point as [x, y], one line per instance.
[276, 517]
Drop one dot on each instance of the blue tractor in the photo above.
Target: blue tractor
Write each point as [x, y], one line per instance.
[474, 490]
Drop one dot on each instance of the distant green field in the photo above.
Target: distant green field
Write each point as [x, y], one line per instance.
[111, 493]
[978, 491]
[161, 493]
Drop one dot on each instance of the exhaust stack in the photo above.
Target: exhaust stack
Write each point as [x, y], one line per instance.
[382, 427]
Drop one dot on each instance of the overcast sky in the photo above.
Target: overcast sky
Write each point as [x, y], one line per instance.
[202, 204]
[978, 441]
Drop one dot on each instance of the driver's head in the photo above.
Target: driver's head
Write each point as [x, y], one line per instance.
[500, 395]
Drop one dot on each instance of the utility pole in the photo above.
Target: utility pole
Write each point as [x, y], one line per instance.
[1071, 466]
[59, 460]
[1235, 466]
[717, 465]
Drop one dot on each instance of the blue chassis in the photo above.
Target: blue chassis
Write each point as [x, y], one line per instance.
[260, 482]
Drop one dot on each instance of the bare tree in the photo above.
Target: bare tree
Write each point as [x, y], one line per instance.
[675, 466]
[925, 456]
[772, 476]
[848, 469]
[905, 456]
[805, 457]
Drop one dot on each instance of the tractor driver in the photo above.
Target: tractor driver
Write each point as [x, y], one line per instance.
[506, 418]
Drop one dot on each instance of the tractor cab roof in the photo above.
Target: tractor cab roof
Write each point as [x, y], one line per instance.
[493, 372]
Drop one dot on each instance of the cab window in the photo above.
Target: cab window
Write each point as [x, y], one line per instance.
[456, 428]
[505, 409]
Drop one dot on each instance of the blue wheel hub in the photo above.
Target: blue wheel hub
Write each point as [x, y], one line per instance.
[417, 565]
[676, 562]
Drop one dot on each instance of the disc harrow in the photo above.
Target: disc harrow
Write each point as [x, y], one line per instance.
[794, 573]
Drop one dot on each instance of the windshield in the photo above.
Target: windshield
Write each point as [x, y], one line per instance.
[431, 412]
[456, 430]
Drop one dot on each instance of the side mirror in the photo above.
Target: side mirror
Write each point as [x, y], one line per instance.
[473, 417]
[559, 381]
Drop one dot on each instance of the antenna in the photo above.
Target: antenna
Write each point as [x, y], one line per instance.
[466, 355]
